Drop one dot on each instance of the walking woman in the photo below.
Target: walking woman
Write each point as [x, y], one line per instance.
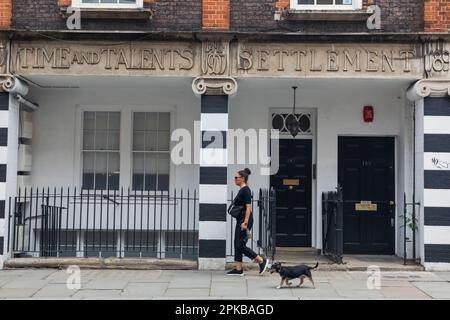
[244, 223]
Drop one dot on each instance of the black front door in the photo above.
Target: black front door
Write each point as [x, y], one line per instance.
[367, 178]
[293, 185]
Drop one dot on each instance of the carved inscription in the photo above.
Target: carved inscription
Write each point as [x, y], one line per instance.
[314, 60]
[108, 58]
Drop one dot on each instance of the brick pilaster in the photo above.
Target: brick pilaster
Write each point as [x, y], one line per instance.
[437, 15]
[216, 14]
[282, 4]
[5, 13]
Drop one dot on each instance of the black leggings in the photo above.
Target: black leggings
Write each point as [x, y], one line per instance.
[240, 244]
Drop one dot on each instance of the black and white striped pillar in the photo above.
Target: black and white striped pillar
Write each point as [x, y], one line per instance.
[213, 182]
[436, 196]
[4, 121]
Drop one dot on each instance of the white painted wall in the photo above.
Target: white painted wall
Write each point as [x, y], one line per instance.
[56, 139]
[339, 112]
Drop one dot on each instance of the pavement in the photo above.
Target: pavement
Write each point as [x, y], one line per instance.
[191, 284]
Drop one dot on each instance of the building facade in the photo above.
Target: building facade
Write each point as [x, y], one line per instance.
[101, 97]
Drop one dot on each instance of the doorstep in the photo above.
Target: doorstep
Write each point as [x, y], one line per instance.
[296, 256]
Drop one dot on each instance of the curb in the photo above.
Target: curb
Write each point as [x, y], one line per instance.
[99, 263]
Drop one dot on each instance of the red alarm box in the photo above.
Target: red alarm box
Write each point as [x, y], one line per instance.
[368, 114]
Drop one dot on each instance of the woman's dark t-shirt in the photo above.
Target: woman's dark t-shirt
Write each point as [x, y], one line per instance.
[244, 197]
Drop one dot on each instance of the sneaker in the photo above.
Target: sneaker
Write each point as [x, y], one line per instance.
[235, 272]
[263, 266]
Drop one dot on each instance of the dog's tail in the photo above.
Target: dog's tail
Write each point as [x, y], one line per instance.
[315, 267]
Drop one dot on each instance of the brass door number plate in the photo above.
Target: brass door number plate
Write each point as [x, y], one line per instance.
[291, 182]
[366, 206]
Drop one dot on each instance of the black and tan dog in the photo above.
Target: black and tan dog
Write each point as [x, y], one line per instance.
[289, 273]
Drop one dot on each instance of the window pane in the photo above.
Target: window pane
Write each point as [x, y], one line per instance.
[89, 121]
[114, 170]
[100, 140]
[101, 120]
[138, 171]
[151, 121]
[151, 134]
[89, 140]
[164, 121]
[139, 141]
[101, 133]
[163, 141]
[163, 171]
[150, 167]
[150, 141]
[139, 121]
[88, 170]
[325, 2]
[114, 121]
[101, 168]
[113, 140]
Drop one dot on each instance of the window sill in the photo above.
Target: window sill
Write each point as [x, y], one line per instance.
[113, 13]
[325, 15]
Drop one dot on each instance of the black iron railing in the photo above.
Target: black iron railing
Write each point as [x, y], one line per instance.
[332, 224]
[66, 222]
[268, 227]
[119, 223]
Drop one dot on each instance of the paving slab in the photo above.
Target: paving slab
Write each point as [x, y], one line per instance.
[404, 293]
[5, 280]
[15, 272]
[349, 285]
[395, 283]
[322, 290]
[25, 283]
[57, 291]
[266, 288]
[203, 281]
[61, 277]
[360, 294]
[97, 294]
[105, 284]
[187, 292]
[444, 275]
[14, 293]
[145, 289]
[221, 277]
[436, 290]
[229, 289]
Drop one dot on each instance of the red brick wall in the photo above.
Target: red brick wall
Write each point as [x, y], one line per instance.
[216, 14]
[5, 13]
[437, 15]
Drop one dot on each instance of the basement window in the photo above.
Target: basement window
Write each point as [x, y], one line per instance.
[108, 4]
[326, 4]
